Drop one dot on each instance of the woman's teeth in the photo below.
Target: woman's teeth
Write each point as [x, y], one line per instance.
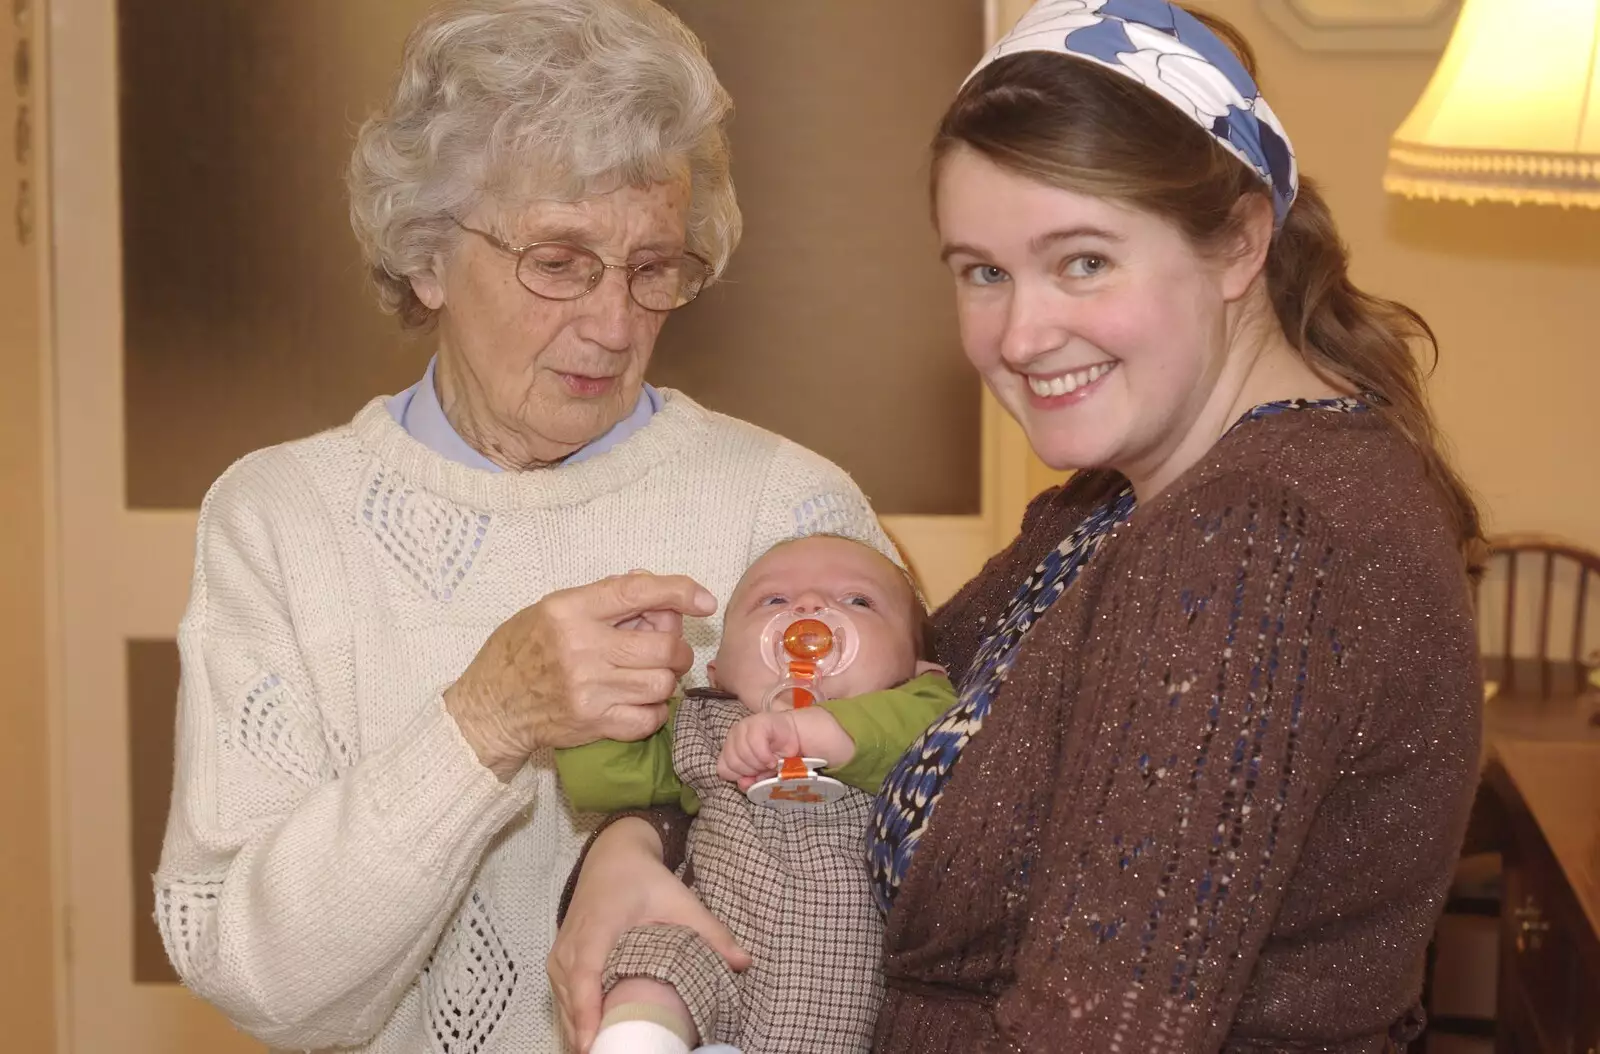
[1045, 387]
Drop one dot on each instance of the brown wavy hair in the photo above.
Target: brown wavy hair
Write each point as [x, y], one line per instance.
[1080, 127]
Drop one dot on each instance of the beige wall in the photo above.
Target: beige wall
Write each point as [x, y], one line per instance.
[26, 1007]
[27, 1011]
[1513, 293]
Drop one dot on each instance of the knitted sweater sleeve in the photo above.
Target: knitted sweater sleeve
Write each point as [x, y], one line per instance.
[301, 890]
[1222, 688]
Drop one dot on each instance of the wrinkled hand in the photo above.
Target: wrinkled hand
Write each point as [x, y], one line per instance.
[595, 662]
[756, 746]
[623, 884]
[659, 621]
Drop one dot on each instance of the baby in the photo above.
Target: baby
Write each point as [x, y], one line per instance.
[792, 886]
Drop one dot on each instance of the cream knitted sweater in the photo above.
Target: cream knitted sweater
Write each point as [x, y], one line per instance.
[339, 870]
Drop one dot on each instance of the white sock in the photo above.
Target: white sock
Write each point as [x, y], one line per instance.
[638, 1037]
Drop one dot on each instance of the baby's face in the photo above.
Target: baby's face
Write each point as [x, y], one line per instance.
[807, 575]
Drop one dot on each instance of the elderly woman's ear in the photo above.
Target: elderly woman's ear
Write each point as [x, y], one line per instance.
[429, 283]
[428, 287]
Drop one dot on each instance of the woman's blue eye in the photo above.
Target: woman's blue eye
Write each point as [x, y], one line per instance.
[985, 274]
[1087, 266]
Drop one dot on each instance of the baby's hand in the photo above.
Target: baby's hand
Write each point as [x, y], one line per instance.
[756, 746]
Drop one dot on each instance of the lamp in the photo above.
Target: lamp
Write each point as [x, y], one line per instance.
[1513, 111]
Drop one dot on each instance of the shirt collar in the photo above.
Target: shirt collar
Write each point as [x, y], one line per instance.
[419, 412]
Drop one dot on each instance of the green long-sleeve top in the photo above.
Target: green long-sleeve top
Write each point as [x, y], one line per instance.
[607, 775]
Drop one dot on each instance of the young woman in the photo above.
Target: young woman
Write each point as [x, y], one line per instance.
[1218, 728]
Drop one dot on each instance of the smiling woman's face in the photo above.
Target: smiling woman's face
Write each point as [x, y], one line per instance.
[527, 380]
[1097, 326]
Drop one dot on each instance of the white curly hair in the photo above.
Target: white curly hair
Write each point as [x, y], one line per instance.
[567, 98]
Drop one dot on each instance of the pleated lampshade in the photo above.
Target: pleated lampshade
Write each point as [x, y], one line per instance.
[1513, 111]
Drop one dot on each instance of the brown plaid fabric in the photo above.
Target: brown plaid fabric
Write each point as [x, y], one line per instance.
[677, 955]
[793, 889]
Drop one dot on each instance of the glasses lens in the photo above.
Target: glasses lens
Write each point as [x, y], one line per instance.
[560, 272]
[662, 285]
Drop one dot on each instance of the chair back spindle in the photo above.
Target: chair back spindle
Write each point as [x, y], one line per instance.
[1500, 649]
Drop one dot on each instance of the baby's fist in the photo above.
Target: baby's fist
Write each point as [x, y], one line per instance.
[756, 745]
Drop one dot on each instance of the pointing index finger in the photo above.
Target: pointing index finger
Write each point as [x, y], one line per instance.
[634, 594]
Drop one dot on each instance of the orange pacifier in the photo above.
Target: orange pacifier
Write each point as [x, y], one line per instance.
[802, 647]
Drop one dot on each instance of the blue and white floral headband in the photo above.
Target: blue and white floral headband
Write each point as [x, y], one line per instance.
[1172, 53]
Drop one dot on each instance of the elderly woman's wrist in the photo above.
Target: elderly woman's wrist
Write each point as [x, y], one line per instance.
[497, 751]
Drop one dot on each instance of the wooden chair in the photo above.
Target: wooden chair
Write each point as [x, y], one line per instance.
[1516, 555]
[1539, 574]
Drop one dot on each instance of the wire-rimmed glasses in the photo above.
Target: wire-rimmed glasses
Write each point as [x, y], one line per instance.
[562, 271]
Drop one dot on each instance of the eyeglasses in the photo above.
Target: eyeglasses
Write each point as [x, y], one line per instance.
[558, 271]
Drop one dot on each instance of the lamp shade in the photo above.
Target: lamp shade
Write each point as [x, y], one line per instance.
[1513, 111]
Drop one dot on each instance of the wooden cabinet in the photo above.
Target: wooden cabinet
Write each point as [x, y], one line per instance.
[1549, 1001]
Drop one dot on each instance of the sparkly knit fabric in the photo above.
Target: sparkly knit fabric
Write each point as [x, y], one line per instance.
[1217, 800]
[912, 790]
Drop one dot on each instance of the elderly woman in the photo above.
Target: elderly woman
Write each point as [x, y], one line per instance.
[394, 622]
[1218, 728]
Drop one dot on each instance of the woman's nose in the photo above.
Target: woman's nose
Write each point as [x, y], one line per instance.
[607, 312]
[1035, 325]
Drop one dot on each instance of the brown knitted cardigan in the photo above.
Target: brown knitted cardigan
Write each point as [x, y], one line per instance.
[1218, 801]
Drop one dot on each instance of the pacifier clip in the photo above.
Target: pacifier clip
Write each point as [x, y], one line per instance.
[810, 649]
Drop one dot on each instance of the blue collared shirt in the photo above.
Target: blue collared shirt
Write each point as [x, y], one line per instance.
[418, 411]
